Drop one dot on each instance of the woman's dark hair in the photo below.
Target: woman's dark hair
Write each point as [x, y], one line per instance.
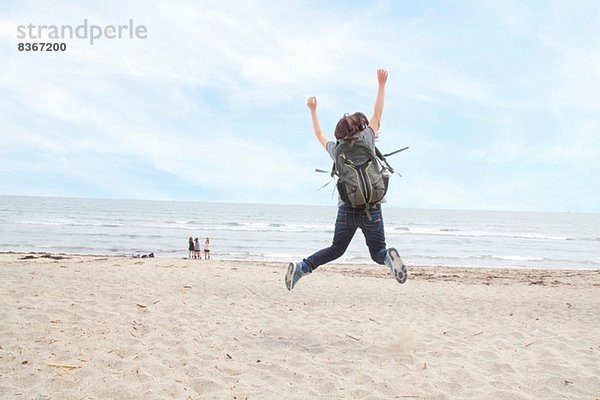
[350, 125]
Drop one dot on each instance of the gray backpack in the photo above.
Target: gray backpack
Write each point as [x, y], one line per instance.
[362, 179]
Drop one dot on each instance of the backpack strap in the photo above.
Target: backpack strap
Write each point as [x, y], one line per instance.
[394, 152]
[382, 158]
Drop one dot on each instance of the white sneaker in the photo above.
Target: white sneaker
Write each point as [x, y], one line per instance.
[293, 275]
[395, 264]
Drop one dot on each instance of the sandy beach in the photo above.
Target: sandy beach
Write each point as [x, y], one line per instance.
[95, 327]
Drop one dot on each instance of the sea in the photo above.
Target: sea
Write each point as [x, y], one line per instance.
[284, 233]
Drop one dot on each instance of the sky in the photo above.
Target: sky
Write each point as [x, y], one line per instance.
[499, 101]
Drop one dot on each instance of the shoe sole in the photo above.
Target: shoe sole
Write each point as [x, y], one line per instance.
[399, 273]
[289, 276]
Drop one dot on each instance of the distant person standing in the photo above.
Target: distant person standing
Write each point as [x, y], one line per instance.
[191, 248]
[207, 249]
[197, 248]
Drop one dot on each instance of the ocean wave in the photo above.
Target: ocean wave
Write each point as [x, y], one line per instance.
[482, 234]
[236, 226]
[503, 260]
[485, 257]
[267, 227]
[72, 223]
[113, 235]
[585, 239]
[242, 254]
[517, 258]
[41, 223]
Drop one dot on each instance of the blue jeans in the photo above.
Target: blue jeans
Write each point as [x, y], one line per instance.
[347, 221]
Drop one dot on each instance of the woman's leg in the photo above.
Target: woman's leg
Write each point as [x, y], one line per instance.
[345, 227]
[374, 233]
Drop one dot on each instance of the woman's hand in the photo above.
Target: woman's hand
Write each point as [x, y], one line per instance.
[312, 103]
[382, 76]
